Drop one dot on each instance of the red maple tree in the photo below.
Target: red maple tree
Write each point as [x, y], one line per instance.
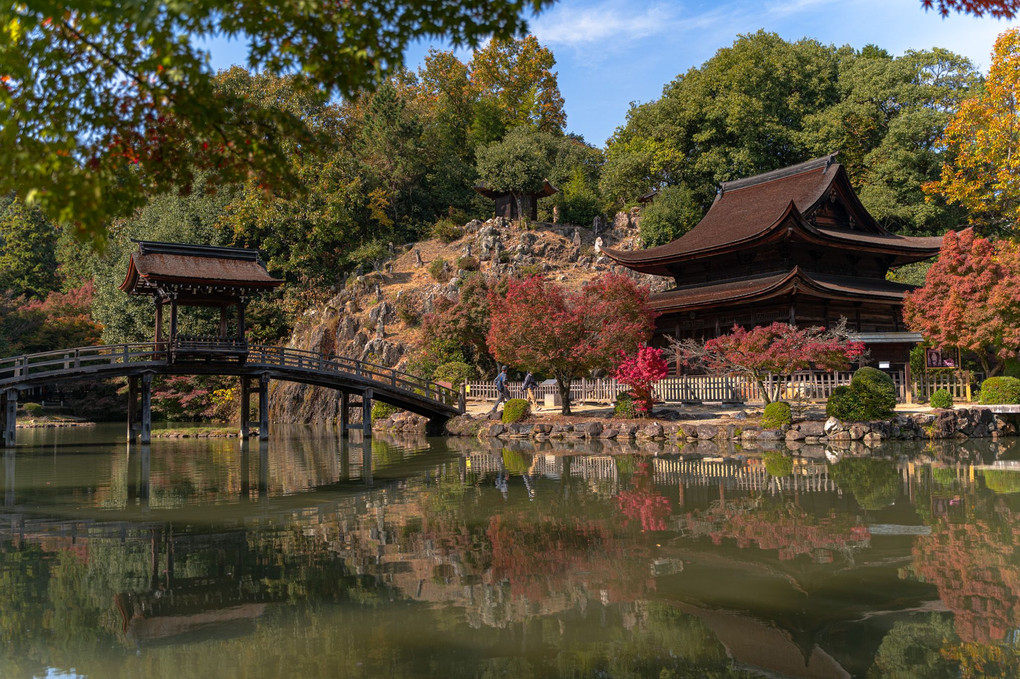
[1000, 9]
[546, 328]
[766, 350]
[971, 299]
[640, 372]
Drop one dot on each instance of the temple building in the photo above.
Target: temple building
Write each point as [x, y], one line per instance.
[793, 245]
[513, 206]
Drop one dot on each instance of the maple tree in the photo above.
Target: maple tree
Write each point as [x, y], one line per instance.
[1000, 9]
[104, 102]
[970, 299]
[768, 350]
[640, 372]
[984, 176]
[60, 320]
[543, 327]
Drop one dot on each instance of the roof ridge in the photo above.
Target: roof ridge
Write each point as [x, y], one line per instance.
[781, 173]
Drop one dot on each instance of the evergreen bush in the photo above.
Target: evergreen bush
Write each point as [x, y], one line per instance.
[777, 415]
[941, 399]
[380, 411]
[876, 381]
[1000, 390]
[454, 372]
[33, 408]
[439, 271]
[446, 231]
[515, 410]
[468, 263]
[624, 406]
[870, 396]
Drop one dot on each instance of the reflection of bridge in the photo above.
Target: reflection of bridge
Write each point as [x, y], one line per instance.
[140, 362]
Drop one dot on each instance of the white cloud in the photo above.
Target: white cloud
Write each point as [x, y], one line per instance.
[578, 24]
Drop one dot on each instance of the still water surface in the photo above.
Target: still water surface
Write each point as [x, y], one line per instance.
[205, 558]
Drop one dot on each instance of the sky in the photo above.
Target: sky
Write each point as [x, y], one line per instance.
[610, 53]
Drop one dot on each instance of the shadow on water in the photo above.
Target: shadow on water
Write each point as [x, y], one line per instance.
[320, 557]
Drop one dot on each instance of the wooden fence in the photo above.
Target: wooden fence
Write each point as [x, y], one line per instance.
[802, 386]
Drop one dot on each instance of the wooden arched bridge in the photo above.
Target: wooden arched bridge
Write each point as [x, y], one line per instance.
[212, 356]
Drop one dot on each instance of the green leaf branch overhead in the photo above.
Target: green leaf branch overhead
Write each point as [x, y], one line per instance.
[104, 103]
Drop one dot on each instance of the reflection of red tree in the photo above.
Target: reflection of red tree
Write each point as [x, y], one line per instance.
[541, 555]
[642, 502]
[783, 527]
[976, 567]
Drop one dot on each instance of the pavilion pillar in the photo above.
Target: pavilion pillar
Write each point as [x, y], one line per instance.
[240, 320]
[10, 418]
[245, 407]
[132, 408]
[344, 405]
[146, 431]
[264, 407]
[223, 321]
[366, 413]
[159, 319]
[173, 318]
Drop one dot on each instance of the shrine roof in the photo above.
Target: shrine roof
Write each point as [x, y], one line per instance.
[777, 205]
[177, 264]
[753, 289]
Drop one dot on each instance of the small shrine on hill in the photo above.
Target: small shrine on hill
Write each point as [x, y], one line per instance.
[793, 245]
[180, 275]
[514, 205]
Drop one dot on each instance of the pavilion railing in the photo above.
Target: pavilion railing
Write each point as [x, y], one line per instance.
[85, 359]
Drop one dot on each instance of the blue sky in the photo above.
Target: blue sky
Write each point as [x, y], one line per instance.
[612, 52]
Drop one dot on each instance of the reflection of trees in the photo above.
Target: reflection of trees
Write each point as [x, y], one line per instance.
[642, 502]
[976, 567]
[782, 526]
[875, 483]
[911, 649]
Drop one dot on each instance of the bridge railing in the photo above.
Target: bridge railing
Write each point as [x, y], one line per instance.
[84, 359]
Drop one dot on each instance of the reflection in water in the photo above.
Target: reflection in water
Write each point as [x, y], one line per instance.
[458, 558]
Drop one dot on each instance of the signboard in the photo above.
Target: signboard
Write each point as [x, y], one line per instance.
[934, 359]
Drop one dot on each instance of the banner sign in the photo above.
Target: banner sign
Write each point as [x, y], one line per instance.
[934, 359]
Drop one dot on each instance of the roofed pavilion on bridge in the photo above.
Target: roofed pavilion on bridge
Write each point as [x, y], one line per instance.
[178, 274]
[792, 245]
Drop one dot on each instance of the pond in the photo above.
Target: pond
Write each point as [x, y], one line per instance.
[456, 558]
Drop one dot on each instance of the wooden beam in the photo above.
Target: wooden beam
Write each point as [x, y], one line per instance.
[10, 413]
[132, 407]
[344, 405]
[366, 413]
[263, 407]
[245, 407]
[146, 432]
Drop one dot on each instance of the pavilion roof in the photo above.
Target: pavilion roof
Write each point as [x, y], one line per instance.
[779, 205]
[753, 289]
[203, 270]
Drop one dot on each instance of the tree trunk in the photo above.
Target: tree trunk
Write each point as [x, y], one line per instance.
[766, 396]
[563, 384]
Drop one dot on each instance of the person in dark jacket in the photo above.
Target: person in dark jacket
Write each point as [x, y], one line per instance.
[531, 390]
[502, 391]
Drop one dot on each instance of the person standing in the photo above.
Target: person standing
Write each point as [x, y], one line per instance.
[502, 391]
[531, 390]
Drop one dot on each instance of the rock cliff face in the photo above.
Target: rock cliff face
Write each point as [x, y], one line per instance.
[361, 320]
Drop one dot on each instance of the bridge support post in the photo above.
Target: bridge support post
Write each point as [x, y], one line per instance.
[366, 413]
[132, 408]
[344, 413]
[245, 407]
[264, 407]
[146, 432]
[10, 415]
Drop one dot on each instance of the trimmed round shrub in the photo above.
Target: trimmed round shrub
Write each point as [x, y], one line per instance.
[33, 408]
[778, 463]
[468, 263]
[857, 405]
[624, 406]
[777, 414]
[515, 410]
[877, 381]
[941, 399]
[1000, 390]
[454, 372]
[380, 410]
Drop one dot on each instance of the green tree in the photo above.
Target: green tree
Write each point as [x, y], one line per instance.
[28, 256]
[515, 76]
[673, 212]
[105, 103]
[518, 163]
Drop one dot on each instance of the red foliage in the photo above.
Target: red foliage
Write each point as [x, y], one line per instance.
[1000, 9]
[548, 329]
[970, 299]
[642, 502]
[639, 372]
[62, 320]
[777, 349]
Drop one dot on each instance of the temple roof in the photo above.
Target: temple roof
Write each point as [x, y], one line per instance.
[546, 190]
[780, 205]
[753, 289]
[202, 270]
